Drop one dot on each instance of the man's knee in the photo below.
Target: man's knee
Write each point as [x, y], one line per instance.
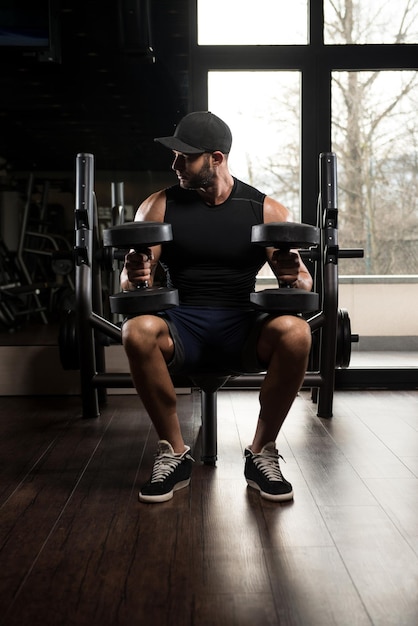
[293, 325]
[142, 332]
[287, 333]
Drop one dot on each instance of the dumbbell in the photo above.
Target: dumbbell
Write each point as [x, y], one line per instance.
[140, 236]
[285, 236]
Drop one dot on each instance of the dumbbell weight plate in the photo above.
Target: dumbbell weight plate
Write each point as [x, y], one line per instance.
[285, 235]
[137, 235]
[62, 266]
[147, 300]
[285, 300]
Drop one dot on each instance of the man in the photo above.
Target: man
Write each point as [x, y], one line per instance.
[213, 264]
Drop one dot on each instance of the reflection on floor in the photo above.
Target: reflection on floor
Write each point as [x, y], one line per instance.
[384, 359]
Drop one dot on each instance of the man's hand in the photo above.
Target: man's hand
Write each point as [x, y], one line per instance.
[138, 266]
[286, 266]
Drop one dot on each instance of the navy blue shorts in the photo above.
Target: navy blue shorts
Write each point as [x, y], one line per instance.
[214, 339]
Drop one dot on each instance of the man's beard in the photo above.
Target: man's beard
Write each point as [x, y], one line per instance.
[201, 180]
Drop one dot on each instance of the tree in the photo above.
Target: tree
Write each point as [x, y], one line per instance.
[375, 136]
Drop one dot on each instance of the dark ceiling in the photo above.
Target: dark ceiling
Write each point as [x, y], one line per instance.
[102, 93]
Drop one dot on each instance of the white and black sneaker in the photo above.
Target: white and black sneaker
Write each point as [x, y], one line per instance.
[171, 472]
[262, 471]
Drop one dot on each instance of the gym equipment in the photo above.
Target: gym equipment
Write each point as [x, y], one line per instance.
[68, 341]
[285, 236]
[62, 262]
[140, 236]
[18, 300]
[324, 324]
[344, 339]
[42, 256]
[330, 326]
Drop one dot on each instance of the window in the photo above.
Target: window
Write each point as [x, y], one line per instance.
[263, 111]
[245, 22]
[375, 135]
[370, 22]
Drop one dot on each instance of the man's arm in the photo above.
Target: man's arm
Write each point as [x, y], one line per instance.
[288, 267]
[138, 267]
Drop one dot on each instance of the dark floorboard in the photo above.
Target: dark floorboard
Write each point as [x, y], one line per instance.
[77, 548]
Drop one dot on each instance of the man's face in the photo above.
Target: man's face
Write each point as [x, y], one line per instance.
[194, 171]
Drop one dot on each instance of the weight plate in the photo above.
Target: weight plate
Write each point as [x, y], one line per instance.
[137, 235]
[343, 355]
[285, 300]
[148, 300]
[62, 267]
[285, 234]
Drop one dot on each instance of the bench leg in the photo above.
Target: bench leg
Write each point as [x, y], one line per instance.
[209, 427]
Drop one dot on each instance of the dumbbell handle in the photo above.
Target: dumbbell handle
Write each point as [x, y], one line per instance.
[144, 284]
[282, 283]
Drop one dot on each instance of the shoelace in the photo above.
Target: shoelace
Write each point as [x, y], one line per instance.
[268, 463]
[163, 466]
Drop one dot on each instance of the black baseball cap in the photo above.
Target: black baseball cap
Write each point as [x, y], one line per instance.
[198, 132]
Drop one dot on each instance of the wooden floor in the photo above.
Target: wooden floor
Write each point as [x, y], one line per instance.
[77, 548]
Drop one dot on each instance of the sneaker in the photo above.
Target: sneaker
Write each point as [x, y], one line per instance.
[170, 472]
[262, 471]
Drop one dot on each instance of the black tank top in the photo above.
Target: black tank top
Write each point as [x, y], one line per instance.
[211, 260]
